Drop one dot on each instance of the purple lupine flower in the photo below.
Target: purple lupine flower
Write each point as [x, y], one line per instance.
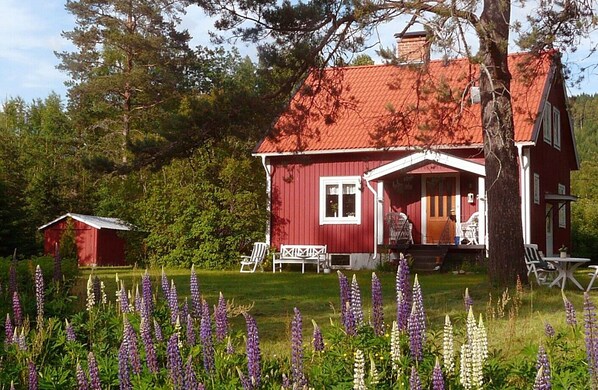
[549, 330]
[403, 294]
[146, 291]
[195, 295]
[94, 373]
[345, 295]
[415, 334]
[138, 299]
[33, 385]
[377, 306]
[57, 276]
[81, 378]
[414, 381]
[97, 289]
[286, 382]
[148, 343]
[350, 326]
[175, 362]
[17, 312]
[70, 332]
[190, 378]
[8, 330]
[299, 379]
[184, 310]
[131, 339]
[165, 285]
[437, 378]
[12, 276]
[190, 331]
[20, 339]
[543, 379]
[205, 334]
[569, 311]
[124, 299]
[467, 300]
[173, 302]
[200, 386]
[356, 302]
[39, 293]
[318, 340]
[220, 316]
[253, 352]
[591, 338]
[124, 374]
[230, 349]
[158, 331]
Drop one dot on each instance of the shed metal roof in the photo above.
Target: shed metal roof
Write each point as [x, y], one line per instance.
[93, 221]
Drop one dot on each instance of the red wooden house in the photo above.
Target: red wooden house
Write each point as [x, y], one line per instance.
[97, 238]
[360, 143]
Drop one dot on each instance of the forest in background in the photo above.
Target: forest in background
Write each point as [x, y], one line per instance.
[160, 134]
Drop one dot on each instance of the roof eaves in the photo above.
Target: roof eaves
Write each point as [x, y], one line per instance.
[545, 93]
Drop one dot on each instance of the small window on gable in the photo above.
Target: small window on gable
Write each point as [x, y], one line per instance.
[340, 200]
[562, 208]
[547, 123]
[556, 128]
[536, 188]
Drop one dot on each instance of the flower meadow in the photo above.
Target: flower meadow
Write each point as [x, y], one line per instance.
[147, 336]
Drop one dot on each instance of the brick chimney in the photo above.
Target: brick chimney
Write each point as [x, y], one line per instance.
[413, 48]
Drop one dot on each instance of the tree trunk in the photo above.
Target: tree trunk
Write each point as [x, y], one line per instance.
[505, 234]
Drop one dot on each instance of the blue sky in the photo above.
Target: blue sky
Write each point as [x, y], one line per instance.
[30, 32]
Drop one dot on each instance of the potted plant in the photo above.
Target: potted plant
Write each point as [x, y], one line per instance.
[563, 250]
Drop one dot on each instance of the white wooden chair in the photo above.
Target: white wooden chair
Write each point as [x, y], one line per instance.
[469, 230]
[400, 229]
[259, 252]
[542, 270]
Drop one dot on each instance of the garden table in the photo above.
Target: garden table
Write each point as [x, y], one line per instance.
[566, 266]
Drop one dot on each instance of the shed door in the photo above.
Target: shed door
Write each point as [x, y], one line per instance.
[440, 205]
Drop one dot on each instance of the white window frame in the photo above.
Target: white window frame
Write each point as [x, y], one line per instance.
[547, 123]
[340, 181]
[556, 128]
[562, 190]
[536, 188]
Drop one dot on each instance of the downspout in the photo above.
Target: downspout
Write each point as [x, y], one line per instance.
[367, 182]
[523, 184]
[269, 200]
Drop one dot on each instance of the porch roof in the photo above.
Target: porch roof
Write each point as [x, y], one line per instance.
[414, 159]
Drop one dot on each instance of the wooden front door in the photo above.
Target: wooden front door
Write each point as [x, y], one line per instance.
[440, 206]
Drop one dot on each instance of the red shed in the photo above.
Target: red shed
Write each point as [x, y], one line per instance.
[97, 239]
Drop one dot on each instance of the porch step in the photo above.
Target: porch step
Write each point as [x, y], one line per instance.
[427, 257]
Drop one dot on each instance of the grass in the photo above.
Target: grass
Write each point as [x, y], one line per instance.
[272, 298]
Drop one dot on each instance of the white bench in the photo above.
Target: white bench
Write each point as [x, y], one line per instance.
[299, 254]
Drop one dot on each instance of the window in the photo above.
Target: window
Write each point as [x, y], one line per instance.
[547, 123]
[536, 188]
[556, 128]
[562, 208]
[340, 200]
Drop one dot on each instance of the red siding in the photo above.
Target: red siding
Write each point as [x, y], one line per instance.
[554, 167]
[111, 250]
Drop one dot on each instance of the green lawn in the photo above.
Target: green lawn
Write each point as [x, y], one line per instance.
[273, 297]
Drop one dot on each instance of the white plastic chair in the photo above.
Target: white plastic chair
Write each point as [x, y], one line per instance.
[542, 270]
[469, 230]
[260, 249]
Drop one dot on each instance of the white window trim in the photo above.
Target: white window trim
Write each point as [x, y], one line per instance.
[562, 207]
[556, 128]
[536, 188]
[340, 180]
[547, 123]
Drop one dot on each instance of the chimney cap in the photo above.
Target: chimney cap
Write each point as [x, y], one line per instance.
[412, 34]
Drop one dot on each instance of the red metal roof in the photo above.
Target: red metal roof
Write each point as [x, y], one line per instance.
[387, 106]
